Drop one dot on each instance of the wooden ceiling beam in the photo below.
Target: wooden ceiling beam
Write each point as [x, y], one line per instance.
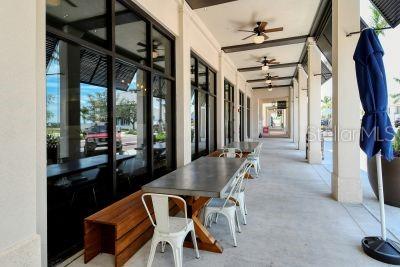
[266, 44]
[273, 86]
[275, 66]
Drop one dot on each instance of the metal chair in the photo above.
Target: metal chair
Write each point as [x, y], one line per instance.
[254, 159]
[172, 230]
[225, 206]
[231, 153]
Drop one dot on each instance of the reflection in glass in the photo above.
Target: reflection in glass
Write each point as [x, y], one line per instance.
[76, 126]
[203, 77]
[161, 53]
[226, 122]
[193, 121]
[84, 19]
[211, 82]
[248, 117]
[130, 34]
[193, 70]
[131, 124]
[202, 120]
[212, 104]
[162, 128]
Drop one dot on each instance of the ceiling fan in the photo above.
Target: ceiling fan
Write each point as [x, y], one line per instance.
[266, 62]
[156, 48]
[268, 78]
[58, 2]
[269, 88]
[260, 31]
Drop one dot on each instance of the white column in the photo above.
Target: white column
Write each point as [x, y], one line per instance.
[296, 113]
[291, 111]
[346, 184]
[236, 114]
[303, 108]
[183, 92]
[23, 133]
[314, 102]
[220, 103]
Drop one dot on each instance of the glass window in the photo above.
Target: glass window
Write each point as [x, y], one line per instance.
[193, 73]
[84, 19]
[212, 104]
[161, 54]
[229, 112]
[211, 82]
[248, 117]
[130, 34]
[77, 139]
[130, 118]
[202, 121]
[202, 77]
[193, 121]
[162, 125]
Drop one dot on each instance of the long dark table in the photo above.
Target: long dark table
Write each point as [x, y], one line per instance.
[80, 165]
[246, 147]
[199, 180]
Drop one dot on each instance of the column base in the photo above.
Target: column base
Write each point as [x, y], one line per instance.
[24, 253]
[314, 153]
[346, 189]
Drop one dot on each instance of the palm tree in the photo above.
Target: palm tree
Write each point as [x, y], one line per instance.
[377, 21]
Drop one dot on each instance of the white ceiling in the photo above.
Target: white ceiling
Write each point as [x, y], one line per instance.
[294, 16]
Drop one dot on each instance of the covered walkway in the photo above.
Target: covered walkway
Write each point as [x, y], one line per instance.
[292, 221]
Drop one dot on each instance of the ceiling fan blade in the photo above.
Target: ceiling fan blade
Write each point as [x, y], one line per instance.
[262, 26]
[274, 29]
[141, 44]
[244, 31]
[69, 2]
[265, 36]
[248, 36]
[275, 62]
[271, 60]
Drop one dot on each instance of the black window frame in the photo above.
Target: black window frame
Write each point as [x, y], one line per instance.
[109, 51]
[241, 116]
[210, 96]
[248, 117]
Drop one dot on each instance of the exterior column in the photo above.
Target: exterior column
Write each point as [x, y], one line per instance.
[303, 108]
[346, 184]
[296, 113]
[291, 109]
[220, 103]
[314, 102]
[183, 90]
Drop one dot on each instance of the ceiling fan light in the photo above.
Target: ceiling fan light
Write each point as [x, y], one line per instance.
[269, 89]
[155, 54]
[268, 81]
[53, 2]
[265, 68]
[258, 39]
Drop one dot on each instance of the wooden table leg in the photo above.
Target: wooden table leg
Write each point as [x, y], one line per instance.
[205, 241]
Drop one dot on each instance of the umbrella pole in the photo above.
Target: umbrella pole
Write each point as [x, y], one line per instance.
[380, 194]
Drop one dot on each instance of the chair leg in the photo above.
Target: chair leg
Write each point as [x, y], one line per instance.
[177, 255]
[243, 212]
[216, 218]
[231, 222]
[245, 207]
[237, 221]
[194, 240]
[152, 252]
[163, 243]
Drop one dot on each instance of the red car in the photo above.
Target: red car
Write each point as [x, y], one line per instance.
[96, 140]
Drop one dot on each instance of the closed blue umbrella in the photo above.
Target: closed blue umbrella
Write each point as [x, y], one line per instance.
[376, 130]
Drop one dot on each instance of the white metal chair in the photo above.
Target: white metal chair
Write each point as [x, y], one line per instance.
[231, 153]
[254, 159]
[225, 206]
[172, 230]
[239, 194]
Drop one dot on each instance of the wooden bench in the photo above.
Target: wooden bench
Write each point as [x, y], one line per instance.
[120, 229]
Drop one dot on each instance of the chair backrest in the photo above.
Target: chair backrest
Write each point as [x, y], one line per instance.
[236, 184]
[243, 172]
[161, 210]
[231, 153]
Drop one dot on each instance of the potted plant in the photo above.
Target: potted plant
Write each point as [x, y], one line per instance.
[390, 175]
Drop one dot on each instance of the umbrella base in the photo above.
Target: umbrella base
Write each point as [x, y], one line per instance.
[385, 251]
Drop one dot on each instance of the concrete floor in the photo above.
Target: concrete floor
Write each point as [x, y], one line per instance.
[292, 221]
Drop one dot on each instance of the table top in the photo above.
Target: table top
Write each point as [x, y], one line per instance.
[79, 165]
[206, 176]
[246, 147]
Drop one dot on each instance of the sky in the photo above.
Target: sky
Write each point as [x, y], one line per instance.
[390, 42]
